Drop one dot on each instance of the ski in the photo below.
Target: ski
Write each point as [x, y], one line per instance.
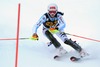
[73, 58]
[56, 57]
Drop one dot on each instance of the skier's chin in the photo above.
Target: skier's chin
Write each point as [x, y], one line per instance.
[52, 15]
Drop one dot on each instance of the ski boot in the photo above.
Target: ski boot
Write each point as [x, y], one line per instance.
[60, 52]
[49, 43]
[83, 53]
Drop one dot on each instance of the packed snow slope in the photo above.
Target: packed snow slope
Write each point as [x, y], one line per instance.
[82, 18]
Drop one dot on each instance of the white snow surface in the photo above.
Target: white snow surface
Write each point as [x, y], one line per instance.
[82, 18]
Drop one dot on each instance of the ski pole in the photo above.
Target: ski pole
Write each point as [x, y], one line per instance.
[13, 38]
[83, 37]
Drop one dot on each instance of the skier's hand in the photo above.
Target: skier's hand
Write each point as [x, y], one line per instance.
[53, 30]
[34, 37]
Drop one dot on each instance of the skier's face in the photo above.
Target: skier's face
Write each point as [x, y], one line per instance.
[52, 13]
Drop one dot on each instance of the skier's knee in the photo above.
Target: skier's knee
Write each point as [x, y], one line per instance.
[73, 44]
[69, 42]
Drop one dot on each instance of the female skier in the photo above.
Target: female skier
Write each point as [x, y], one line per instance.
[53, 23]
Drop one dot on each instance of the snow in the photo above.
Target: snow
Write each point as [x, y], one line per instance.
[82, 18]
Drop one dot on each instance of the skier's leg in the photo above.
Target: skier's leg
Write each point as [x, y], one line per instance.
[60, 49]
[73, 44]
[78, 48]
[52, 39]
[62, 36]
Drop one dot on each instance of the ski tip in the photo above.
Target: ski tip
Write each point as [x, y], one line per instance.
[55, 57]
[58, 58]
[74, 58]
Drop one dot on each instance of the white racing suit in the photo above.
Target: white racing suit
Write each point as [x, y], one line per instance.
[57, 21]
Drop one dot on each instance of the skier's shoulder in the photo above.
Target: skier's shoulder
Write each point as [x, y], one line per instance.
[46, 15]
[60, 13]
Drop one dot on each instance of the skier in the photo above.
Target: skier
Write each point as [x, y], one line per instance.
[53, 23]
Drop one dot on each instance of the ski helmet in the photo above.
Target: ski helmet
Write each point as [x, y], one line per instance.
[52, 9]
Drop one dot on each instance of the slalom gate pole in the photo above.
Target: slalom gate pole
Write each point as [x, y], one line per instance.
[17, 37]
[83, 37]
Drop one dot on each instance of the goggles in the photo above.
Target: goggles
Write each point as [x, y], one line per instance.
[52, 12]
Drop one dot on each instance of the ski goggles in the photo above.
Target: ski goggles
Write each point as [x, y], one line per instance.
[52, 12]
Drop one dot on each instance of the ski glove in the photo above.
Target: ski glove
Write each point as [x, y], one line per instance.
[53, 30]
[34, 37]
